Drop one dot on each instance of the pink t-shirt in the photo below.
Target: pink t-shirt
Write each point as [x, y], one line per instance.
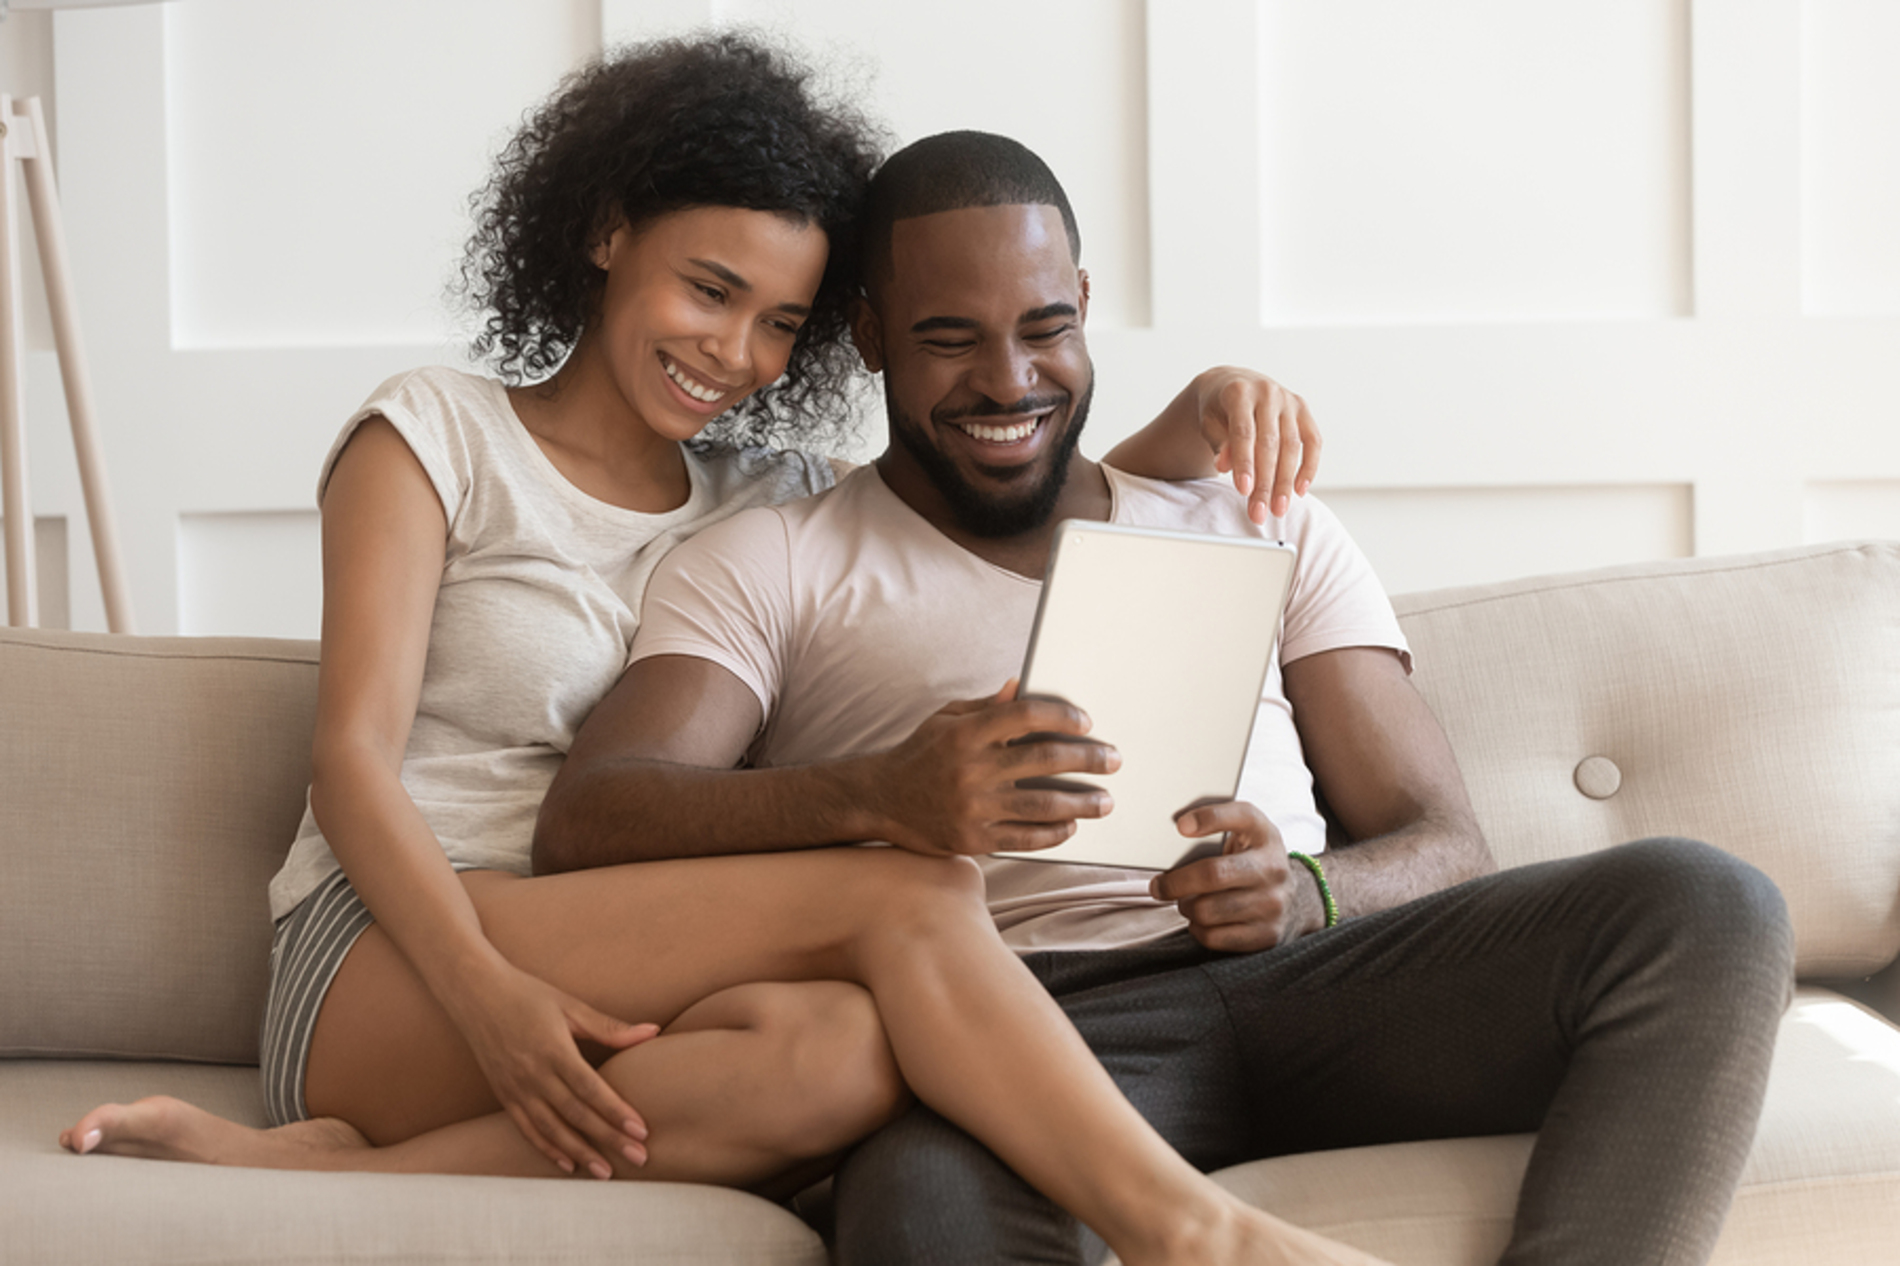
[853, 619]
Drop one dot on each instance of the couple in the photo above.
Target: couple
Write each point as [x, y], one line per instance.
[481, 585]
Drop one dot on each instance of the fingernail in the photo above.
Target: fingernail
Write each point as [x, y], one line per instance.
[1244, 483]
[90, 1141]
[638, 1155]
[634, 1128]
[567, 1166]
[600, 1170]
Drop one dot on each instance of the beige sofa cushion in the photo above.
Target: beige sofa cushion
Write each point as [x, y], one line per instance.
[57, 1209]
[152, 788]
[1751, 702]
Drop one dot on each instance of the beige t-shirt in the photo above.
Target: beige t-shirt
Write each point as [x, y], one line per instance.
[852, 620]
[539, 600]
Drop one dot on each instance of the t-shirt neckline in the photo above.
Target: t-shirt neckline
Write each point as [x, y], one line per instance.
[693, 507]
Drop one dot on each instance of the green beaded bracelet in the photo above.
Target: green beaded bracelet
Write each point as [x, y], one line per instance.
[1319, 877]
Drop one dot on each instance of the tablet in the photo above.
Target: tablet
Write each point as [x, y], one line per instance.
[1165, 639]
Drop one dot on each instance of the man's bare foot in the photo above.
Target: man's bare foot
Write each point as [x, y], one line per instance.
[164, 1128]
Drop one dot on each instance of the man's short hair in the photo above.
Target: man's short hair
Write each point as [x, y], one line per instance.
[951, 171]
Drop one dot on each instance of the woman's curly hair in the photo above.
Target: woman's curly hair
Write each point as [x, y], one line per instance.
[722, 121]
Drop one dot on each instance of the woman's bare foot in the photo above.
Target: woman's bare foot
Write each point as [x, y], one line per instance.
[1241, 1233]
[164, 1128]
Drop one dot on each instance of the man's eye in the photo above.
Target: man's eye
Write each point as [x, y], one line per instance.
[1044, 336]
[711, 292]
[948, 345]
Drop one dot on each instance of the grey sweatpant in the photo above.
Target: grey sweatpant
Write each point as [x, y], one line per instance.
[1623, 1005]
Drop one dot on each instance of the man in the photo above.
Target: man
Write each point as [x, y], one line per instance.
[1624, 1004]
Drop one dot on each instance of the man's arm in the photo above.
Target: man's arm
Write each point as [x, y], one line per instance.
[1388, 773]
[652, 775]
[1386, 769]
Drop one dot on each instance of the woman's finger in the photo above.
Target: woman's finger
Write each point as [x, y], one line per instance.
[550, 1120]
[1228, 423]
[1309, 446]
[525, 1124]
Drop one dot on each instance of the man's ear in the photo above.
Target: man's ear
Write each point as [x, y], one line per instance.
[1082, 308]
[867, 332]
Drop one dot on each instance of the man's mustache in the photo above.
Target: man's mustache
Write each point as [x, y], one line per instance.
[987, 408]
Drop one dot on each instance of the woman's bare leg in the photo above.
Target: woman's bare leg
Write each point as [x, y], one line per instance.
[719, 1076]
[973, 1032]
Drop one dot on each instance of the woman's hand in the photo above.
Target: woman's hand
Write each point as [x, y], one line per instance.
[1230, 421]
[1261, 433]
[523, 1032]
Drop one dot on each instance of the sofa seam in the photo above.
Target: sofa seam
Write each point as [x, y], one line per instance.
[206, 655]
[1757, 564]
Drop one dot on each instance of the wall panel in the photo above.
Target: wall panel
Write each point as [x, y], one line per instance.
[1850, 150]
[258, 574]
[1066, 77]
[1473, 160]
[51, 572]
[1837, 510]
[321, 156]
[1429, 538]
[1546, 266]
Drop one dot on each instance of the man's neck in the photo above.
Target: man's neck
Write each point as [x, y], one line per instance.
[1085, 495]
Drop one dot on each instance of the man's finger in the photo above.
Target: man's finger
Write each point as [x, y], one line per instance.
[1210, 874]
[1043, 805]
[1008, 722]
[1051, 757]
[1031, 837]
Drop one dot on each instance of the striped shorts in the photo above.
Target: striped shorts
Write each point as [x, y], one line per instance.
[304, 956]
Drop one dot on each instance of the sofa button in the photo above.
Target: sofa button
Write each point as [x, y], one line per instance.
[1598, 777]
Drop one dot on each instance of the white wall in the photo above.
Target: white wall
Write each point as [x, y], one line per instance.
[1571, 283]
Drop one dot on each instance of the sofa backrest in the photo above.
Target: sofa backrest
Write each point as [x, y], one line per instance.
[149, 789]
[1752, 702]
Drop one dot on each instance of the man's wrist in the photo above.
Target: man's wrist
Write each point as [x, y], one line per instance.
[1318, 907]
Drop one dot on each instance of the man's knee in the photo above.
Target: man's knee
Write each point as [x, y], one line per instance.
[921, 1191]
[1719, 911]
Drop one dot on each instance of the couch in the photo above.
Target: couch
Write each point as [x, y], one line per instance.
[149, 787]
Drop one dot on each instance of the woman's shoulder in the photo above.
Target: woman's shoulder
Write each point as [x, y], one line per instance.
[436, 391]
[762, 476]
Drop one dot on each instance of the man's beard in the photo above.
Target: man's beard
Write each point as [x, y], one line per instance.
[977, 510]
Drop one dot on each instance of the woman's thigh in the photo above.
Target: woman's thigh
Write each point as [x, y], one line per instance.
[641, 942]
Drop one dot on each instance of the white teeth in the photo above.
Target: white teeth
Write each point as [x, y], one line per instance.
[1002, 434]
[705, 395]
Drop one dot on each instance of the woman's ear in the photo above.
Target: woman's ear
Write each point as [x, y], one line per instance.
[868, 333]
[606, 241]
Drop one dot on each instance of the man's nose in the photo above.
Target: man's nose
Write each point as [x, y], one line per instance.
[1004, 372]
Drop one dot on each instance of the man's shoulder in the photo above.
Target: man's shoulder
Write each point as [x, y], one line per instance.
[1191, 505]
[776, 531]
[1214, 506]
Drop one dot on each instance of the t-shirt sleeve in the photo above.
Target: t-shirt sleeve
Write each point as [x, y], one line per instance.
[725, 597]
[1335, 601]
[424, 426]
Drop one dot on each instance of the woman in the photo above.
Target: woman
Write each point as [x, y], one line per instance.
[668, 236]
